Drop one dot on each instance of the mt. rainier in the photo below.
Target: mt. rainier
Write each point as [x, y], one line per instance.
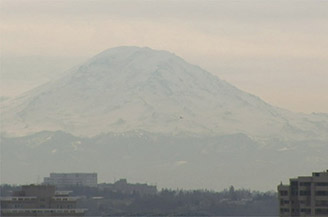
[130, 88]
[141, 112]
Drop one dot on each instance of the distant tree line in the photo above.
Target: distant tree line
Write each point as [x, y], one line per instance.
[167, 202]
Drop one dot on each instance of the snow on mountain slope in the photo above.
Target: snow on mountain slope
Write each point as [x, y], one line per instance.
[130, 88]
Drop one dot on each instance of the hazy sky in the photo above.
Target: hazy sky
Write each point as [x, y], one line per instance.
[275, 49]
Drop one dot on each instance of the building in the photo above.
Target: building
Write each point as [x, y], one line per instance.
[304, 196]
[40, 200]
[64, 180]
[122, 186]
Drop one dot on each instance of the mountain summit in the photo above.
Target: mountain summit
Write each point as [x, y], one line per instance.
[139, 89]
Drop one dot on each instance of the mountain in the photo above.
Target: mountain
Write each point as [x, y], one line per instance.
[128, 89]
[150, 116]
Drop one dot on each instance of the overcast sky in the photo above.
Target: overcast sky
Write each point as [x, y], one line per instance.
[275, 49]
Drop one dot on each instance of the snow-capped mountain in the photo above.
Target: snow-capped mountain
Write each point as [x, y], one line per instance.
[130, 88]
[150, 116]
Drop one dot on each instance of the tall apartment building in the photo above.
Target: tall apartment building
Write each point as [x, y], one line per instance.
[63, 180]
[40, 200]
[304, 196]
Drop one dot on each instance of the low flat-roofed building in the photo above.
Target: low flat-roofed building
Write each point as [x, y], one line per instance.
[304, 196]
[124, 187]
[63, 180]
[40, 200]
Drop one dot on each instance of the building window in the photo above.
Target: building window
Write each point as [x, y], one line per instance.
[305, 193]
[321, 211]
[321, 193]
[321, 184]
[305, 183]
[283, 193]
[321, 203]
[284, 210]
[306, 211]
[294, 183]
[283, 202]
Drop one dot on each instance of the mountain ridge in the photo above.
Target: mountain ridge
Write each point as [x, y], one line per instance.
[213, 162]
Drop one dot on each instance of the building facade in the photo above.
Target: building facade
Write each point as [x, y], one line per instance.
[40, 200]
[122, 186]
[64, 180]
[304, 196]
